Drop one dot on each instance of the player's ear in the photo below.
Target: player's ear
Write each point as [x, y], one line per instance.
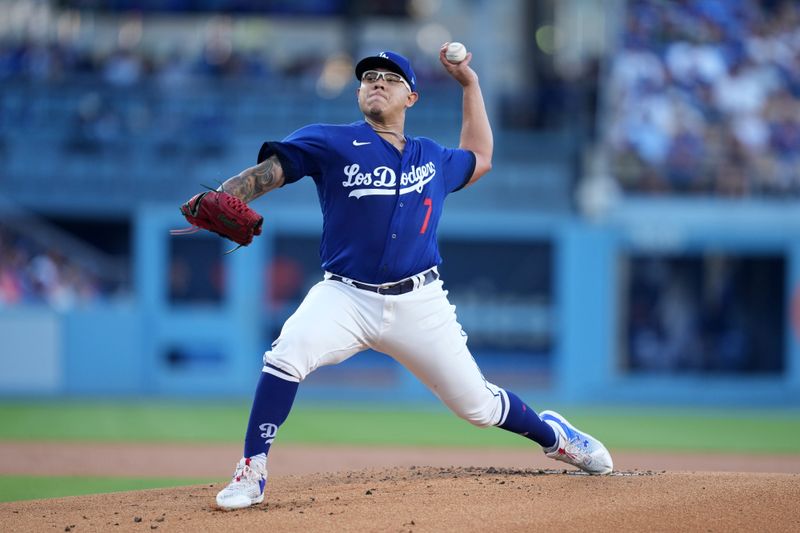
[411, 99]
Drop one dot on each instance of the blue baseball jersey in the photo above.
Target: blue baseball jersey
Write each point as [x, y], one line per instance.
[380, 207]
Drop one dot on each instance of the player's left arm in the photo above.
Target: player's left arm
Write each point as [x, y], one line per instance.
[476, 131]
[256, 181]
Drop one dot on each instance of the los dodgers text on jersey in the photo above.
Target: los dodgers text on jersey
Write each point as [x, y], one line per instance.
[384, 179]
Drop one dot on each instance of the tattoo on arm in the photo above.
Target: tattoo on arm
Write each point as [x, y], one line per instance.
[256, 181]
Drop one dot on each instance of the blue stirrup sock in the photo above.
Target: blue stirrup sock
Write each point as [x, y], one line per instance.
[524, 421]
[271, 405]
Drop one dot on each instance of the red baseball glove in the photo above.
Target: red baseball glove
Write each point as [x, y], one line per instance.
[223, 214]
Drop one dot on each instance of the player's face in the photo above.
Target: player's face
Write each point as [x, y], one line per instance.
[379, 97]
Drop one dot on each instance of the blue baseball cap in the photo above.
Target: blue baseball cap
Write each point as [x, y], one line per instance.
[391, 61]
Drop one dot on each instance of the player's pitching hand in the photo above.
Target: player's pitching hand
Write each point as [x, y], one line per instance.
[461, 71]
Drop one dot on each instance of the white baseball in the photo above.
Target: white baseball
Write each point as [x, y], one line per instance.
[456, 52]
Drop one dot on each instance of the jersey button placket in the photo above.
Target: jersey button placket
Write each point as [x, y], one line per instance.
[398, 218]
[390, 253]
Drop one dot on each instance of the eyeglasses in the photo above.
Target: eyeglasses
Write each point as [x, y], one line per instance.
[371, 76]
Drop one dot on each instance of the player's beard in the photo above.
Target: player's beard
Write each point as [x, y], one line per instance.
[375, 104]
[374, 112]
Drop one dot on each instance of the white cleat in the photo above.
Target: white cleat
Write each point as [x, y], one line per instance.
[576, 447]
[247, 486]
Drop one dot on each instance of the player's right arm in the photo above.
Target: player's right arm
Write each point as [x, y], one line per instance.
[476, 131]
[256, 181]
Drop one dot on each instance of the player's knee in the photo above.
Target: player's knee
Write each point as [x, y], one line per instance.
[480, 420]
[481, 416]
[482, 407]
[285, 368]
[287, 357]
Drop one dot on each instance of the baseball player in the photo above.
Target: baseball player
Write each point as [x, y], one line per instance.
[382, 193]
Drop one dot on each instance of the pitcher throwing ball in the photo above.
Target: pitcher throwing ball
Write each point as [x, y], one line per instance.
[382, 193]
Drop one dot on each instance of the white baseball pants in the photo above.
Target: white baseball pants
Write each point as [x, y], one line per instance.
[418, 329]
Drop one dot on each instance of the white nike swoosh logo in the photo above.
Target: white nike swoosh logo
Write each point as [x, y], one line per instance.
[361, 143]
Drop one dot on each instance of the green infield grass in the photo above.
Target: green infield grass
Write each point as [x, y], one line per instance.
[657, 429]
[14, 488]
[636, 429]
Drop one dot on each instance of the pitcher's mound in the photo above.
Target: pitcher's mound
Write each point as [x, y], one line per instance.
[442, 499]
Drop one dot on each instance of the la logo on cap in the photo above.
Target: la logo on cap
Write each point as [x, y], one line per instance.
[383, 55]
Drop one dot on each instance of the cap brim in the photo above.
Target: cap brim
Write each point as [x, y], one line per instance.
[370, 63]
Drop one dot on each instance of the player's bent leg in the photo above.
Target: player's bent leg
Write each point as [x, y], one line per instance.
[312, 337]
[438, 355]
[327, 328]
[271, 405]
[427, 339]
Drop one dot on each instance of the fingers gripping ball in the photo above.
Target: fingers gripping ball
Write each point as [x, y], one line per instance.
[455, 53]
[223, 214]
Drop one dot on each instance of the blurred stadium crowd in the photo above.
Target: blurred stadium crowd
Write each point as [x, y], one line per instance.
[96, 101]
[705, 98]
[684, 98]
[43, 62]
[34, 273]
[701, 98]
[219, 59]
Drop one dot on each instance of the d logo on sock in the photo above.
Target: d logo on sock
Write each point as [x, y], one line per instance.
[270, 430]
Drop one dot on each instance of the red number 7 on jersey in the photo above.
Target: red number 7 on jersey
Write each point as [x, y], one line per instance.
[424, 227]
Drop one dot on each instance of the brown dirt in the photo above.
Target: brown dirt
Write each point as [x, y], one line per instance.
[329, 489]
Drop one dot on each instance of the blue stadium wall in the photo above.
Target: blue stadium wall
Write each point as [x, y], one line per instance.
[118, 349]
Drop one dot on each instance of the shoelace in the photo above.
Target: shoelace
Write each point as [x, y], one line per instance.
[575, 449]
[244, 470]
